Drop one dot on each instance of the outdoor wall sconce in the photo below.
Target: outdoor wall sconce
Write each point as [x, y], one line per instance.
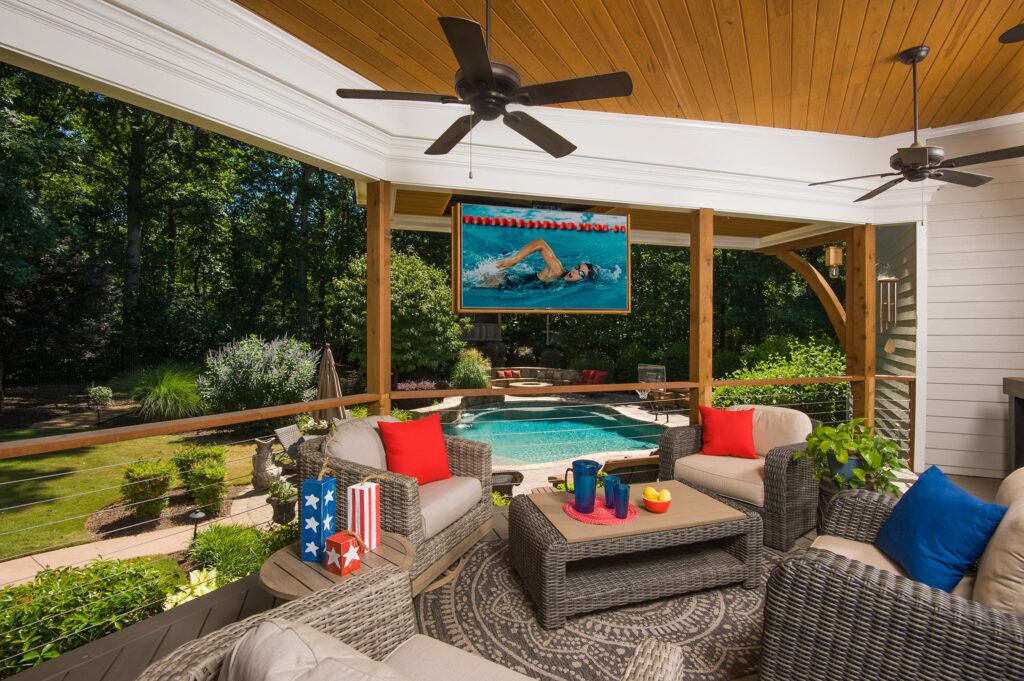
[888, 290]
[833, 260]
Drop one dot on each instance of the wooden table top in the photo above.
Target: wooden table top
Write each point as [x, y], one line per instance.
[287, 576]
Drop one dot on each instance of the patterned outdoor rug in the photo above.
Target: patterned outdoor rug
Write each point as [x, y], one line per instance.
[485, 611]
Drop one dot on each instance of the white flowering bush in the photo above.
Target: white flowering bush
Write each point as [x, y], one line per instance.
[252, 373]
[200, 583]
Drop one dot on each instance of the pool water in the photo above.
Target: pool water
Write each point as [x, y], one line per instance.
[538, 432]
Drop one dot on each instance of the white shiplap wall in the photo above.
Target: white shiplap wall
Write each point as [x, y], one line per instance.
[896, 248]
[975, 308]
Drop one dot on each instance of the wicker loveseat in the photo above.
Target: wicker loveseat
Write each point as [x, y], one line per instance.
[831, 617]
[784, 492]
[404, 505]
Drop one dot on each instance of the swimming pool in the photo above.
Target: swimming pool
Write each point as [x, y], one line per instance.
[525, 432]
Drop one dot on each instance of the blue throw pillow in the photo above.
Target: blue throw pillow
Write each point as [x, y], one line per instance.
[937, 531]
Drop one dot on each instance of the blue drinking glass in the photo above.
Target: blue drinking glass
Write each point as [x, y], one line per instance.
[621, 496]
[584, 480]
[610, 481]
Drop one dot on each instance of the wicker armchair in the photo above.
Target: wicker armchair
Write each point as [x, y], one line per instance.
[829, 617]
[790, 490]
[400, 503]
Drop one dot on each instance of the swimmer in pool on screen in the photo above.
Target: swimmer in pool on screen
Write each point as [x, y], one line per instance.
[553, 270]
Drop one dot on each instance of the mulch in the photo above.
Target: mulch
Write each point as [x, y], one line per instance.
[115, 521]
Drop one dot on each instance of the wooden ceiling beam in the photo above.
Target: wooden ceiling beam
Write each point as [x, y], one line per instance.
[828, 298]
[808, 242]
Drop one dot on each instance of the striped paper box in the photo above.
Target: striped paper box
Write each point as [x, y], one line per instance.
[364, 513]
[317, 505]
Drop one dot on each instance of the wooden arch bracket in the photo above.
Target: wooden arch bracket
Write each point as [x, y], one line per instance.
[822, 289]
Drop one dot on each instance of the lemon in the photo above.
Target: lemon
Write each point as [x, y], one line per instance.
[665, 495]
[651, 493]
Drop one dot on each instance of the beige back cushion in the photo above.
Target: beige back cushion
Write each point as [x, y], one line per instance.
[1001, 567]
[776, 426]
[359, 441]
[278, 650]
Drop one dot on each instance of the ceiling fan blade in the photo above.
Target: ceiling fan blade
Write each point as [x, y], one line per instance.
[963, 179]
[453, 135]
[346, 93]
[859, 177]
[540, 134]
[1012, 35]
[467, 43]
[878, 190]
[617, 84]
[983, 157]
[913, 156]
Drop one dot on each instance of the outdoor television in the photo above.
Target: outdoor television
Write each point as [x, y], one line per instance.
[536, 260]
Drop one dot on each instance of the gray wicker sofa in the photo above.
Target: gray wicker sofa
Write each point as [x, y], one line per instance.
[545, 374]
[400, 501]
[830, 617]
[790, 492]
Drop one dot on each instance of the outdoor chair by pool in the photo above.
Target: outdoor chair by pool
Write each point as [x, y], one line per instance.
[782, 491]
[441, 519]
[372, 612]
[843, 610]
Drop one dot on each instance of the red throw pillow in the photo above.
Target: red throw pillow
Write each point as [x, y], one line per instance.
[516, 373]
[505, 373]
[588, 375]
[416, 448]
[728, 433]
[599, 376]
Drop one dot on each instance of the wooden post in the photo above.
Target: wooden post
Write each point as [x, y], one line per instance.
[702, 260]
[378, 294]
[860, 320]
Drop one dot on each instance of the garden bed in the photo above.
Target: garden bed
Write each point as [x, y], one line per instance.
[116, 521]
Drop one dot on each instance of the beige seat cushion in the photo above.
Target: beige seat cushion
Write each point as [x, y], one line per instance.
[1001, 566]
[730, 476]
[444, 501]
[278, 650]
[1011, 490]
[776, 426]
[359, 441]
[427, 659]
[869, 554]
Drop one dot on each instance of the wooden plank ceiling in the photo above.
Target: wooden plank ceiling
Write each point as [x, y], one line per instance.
[825, 65]
[436, 204]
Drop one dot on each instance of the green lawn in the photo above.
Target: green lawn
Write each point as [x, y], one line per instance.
[69, 529]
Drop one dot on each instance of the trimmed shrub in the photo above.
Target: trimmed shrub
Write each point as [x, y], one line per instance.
[167, 392]
[100, 396]
[207, 480]
[253, 373]
[189, 457]
[146, 484]
[472, 370]
[60, 610]
[237, 551]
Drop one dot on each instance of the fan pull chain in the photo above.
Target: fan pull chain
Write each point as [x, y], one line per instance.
[471, 146]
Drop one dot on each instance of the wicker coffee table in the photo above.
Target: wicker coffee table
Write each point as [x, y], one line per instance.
[700, 543]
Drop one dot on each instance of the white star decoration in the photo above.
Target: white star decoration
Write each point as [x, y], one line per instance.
[329, 497]
[333, 556]
[351, 555]
[327, 522]
[312, 500]
[312, 524]
[311, 547]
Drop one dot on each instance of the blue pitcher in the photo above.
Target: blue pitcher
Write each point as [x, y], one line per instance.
[584, 476]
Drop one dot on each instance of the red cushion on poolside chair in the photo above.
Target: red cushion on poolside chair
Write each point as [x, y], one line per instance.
[516, 373]
[588, 376]
[600, 376]
[504, 373]
[728, 433]
[416, 448]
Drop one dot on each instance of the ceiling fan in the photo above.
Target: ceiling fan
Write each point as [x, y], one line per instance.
[920, 162]
[488, 87]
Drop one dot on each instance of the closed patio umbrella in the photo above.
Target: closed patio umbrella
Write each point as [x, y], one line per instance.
[328, 387]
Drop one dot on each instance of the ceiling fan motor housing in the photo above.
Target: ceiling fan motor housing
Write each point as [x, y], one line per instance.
[488, 103]
[935, 157]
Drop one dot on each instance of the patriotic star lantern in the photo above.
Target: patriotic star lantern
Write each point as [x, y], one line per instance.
[343, 553]
[317, 504]
[364, 511]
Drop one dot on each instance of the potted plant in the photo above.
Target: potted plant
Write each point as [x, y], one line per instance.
[283, 497]
[853, 455]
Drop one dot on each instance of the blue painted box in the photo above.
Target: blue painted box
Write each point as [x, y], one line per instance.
[316, 504]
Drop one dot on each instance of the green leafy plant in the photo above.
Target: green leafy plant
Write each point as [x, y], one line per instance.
[499, 499]
[145, 488]
[878, 458]
[253, 373]
[471, 371]
[236, 551]
[167, 392]
[207, 480]
[187, 458]
[282, 490]
[360, 411]
[100, 396]
[62, 609]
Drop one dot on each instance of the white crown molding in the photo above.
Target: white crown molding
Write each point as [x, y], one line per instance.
[214, 63]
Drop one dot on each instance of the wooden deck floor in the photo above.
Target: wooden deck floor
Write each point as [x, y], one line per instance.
[123, 655]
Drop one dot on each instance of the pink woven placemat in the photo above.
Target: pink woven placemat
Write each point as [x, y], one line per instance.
[602, 515]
